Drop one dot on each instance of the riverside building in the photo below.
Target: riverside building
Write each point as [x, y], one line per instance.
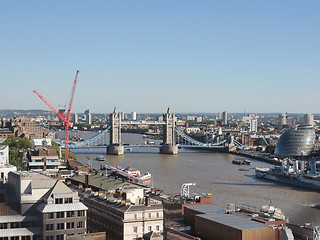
[37, 206]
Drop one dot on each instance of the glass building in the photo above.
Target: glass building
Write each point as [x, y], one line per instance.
[296, 141]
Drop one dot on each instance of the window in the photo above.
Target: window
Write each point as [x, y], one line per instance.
[70, 225]
[157, 228]
[2, 175]
[60, 226]
[49, 215]
[25, 238]
[49, 237]
[49, 227]
[135, 229]
[70, 214]
[3, 225]
[68, 200]
[149, 228]
[59, 200]
[60, 214]
[81, 213]
[135, 216]
[60, 237]
[149, 215]
[14, 225]
[80, 224]
[158, 215]
[14, 238]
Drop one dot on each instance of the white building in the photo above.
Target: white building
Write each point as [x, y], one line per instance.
[309, 119]
[5, 167]
[134, 116]
[253, 125]
[4, 153]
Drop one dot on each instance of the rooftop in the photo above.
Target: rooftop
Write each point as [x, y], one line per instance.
[217, 214]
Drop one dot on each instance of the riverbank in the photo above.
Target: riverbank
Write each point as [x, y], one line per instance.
[267, 158]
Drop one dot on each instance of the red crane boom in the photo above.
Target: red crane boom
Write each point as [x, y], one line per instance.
[65, 118]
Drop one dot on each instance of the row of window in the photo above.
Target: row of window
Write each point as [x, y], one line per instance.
[149, 215]
[68, 225]
[68, 214]
[16, 238]
[17, 225]
[135, 229]
[63, 200]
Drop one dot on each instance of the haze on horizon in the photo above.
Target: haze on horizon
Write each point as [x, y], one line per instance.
[144, 56]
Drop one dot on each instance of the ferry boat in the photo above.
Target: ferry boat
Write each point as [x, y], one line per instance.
[290, 174]
[128, 173]
[241, 162]
[100, 158]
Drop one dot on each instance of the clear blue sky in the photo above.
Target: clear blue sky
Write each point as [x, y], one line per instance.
[142, 55]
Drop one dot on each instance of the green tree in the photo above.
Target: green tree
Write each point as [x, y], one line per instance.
[15, 145]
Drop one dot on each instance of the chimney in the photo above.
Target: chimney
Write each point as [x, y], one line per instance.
[109, 195]
[147, 201]
[86, 181]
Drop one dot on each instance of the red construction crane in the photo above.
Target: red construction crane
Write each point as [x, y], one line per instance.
[65, 118]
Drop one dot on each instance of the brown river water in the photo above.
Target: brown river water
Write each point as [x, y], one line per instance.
[213, 173]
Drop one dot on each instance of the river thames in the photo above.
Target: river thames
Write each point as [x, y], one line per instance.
[213, 173]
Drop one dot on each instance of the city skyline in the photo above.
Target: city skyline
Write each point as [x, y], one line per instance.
[144, 57]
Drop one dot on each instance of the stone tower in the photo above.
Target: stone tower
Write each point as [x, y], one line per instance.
[115, 147]
[169, 145]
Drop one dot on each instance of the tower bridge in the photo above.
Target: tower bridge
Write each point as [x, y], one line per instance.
[171, 134]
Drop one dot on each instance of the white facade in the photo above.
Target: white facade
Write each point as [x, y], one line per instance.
[253, 125]
[138, 223]
[41, 142]
[4, 154]
[134, 116]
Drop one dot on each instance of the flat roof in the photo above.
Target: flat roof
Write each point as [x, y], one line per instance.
[103, 182]
[234, 220]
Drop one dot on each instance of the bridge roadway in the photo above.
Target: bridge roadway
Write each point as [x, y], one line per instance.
[143, 122]
[151, 146]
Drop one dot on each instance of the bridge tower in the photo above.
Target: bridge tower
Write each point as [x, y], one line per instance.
[115, 147]
[169, 144]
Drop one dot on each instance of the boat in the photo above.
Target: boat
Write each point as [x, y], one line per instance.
[100, 158]
[127, 173]
[291, 174]
[241, 162]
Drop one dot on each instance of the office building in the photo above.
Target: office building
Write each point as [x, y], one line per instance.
[225, 118]
[309, 119]
[39, 207]
[296, 141]
[283, 121]
[74, 118]
[253, 125]
[134, 116]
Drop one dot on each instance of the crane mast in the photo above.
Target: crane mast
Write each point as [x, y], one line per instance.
[65, 118]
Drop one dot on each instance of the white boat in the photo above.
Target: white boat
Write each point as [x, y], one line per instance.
[100, 158]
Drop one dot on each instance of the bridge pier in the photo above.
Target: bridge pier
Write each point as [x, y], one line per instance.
[168, 149]
[115, 147]
[115, 150]
[169, 144]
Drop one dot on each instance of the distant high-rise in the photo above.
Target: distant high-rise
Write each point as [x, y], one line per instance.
[74, 118]
[134, 116]
[309, 119]
[225, 118]
[88, 117]
[283, 120]
[253, 125]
